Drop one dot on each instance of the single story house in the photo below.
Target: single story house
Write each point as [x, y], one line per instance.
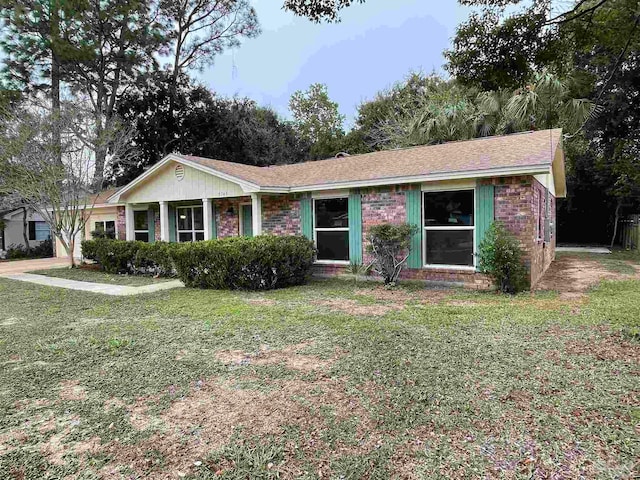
[14, 223]
[452, 191]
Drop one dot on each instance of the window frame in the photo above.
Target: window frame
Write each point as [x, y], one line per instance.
[104, 226]
[193, 230]
[328, 229]
[425, 228]
[146, 211]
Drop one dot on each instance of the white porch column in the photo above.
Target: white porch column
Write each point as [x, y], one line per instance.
[256, 213]
[164, 221]
[129, 222]
[206, 218]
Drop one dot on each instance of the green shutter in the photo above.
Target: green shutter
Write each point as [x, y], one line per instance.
[151, 216]
[306, 217]
[413, 199]
[172, 224]
[484, 212]
[355, 227]
[214, 224]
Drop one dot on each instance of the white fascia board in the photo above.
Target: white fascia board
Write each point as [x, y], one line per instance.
[498, 172]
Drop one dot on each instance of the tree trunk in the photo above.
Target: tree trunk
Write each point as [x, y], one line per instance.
[70, 249]
[615, 224]
[55, 82]
[25, 229]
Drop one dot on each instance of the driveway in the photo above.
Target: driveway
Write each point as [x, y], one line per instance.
[21, 266]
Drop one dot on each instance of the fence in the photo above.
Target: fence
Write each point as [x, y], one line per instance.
[629, 232]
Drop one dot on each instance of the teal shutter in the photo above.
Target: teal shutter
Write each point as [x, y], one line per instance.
[247, 220]
[484, 212]
[355, 227]
[214, 224]
[413, 205]
[151, 216]
[172, 224]
[306, 217]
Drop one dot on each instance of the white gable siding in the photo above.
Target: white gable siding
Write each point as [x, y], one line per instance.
[195, 184]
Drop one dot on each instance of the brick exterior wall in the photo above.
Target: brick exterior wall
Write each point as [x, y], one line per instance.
[121, 224]
[281, 215]
[381, 205]
[542, 253]
[228, 224]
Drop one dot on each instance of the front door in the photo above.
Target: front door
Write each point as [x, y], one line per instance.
[247, 221]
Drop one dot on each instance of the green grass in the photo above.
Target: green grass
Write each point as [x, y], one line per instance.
[96, 276]
[448, 384]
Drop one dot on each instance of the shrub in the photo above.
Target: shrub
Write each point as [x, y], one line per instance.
[259, 263]
[136, 258]
[500, 257]
[15, 252]
[42, 250]
[390, 245]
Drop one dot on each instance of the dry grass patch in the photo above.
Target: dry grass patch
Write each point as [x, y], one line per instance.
[72, 390]
[289, 356]
[353, 307]
[611, 347]
[206, 420]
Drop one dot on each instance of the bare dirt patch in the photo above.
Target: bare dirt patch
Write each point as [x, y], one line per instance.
[572, 277]
[72, 390]
[611, 347]
[262, 302]
[353, 307]
[427, 295]
[290, 356]
[207, 418]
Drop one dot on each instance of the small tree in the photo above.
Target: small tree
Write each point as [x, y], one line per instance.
[390, 245]
[30, 169]
[500, 257]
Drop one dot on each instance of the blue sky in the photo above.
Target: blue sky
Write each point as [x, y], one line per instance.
[375, 45]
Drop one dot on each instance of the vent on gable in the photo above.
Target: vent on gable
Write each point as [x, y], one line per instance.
[179, 171]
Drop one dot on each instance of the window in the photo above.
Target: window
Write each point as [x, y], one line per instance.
[449, 228]
[105, 229]
[141, 225]
[332, 229]
[39, 231]
[190, 224]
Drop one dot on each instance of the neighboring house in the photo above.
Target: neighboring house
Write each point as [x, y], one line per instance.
[13, 232]
[452, 191]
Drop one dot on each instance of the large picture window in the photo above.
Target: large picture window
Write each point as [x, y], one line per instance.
[332, 229]
[190, 222]
[141, 225]
[449, 228]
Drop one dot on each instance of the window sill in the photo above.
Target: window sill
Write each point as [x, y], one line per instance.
[331, 262]
[459, 268]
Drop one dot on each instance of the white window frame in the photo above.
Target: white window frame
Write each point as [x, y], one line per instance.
[425, 229]
[146, 211]
[193, 230]
[325, 229]
[241, 217]
[104, 226]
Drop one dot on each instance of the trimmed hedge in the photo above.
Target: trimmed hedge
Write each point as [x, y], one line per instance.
[259, 263]
[134, 258]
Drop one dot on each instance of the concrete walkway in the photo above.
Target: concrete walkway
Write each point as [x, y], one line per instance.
[116, 290]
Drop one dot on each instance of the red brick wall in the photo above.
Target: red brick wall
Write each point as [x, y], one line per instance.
[381, 205]
[228, 224]
[281, 215]
[121, 224]
[542, 253]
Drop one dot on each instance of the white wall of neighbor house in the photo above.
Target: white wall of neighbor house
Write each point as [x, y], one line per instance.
[13, 230]
[176, 182]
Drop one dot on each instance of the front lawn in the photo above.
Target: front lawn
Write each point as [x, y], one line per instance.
[96, 276]
[330, 380]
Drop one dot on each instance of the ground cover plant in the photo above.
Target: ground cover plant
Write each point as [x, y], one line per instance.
[92, 275]
[327, 380]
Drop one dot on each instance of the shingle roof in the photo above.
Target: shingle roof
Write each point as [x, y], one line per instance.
[529, 149]
[101, 197]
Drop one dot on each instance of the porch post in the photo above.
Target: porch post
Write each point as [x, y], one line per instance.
[206, 218]
[164, 221]
[129, 222]
[256, 213]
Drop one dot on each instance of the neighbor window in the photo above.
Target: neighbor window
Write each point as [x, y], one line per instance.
[449, 228]
[141, 225]
[39, 231]
[190, 224]
[106, 228]
[332, 229]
